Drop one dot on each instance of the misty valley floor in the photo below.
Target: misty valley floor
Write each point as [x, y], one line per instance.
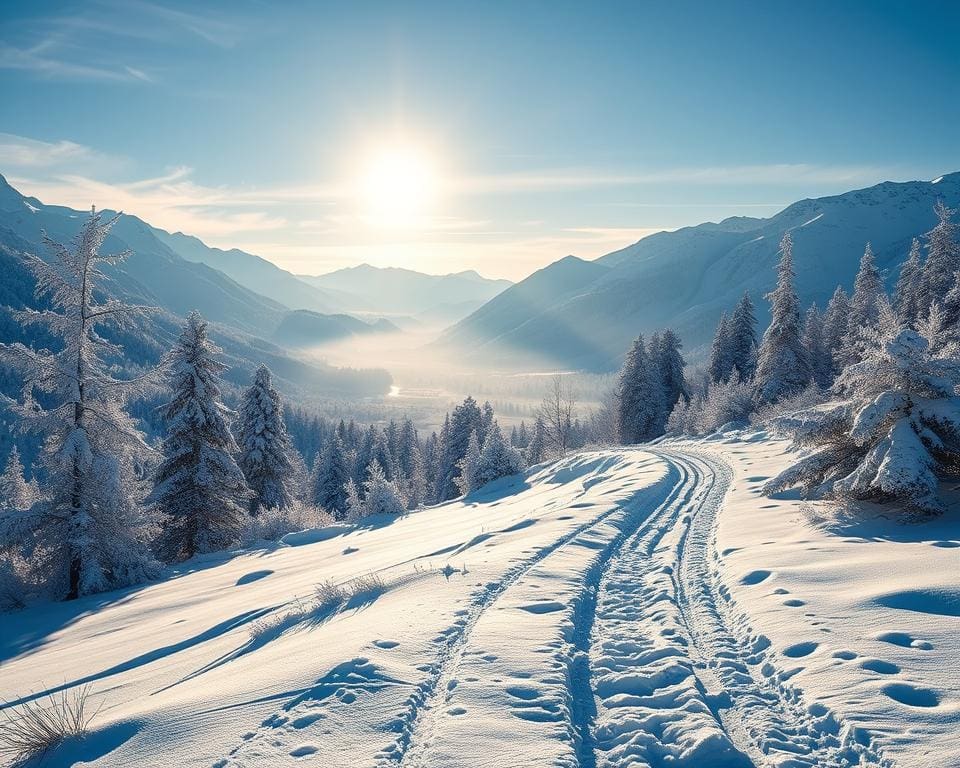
[621, 607]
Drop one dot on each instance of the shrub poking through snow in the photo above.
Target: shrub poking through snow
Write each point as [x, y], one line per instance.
[896, 431]
[274, 523]
[31, 730]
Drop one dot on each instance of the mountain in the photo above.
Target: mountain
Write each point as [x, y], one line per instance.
[256, 273]
[155, 275]
[303, 328]
[392, 290]
[684, 279]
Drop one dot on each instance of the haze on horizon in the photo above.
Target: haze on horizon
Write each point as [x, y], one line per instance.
[447, 136]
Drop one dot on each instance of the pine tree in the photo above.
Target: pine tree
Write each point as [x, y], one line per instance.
[835, 323]
[353, 503]
[895, 431]
[818, 356]
[497, 459]
[907, 294]
[91, 525]
[742, 346]
[331, 477]
[15, 492]
[721, 362]
[411, 465]
[670, 364]
[198, 487]
[536, 450]
[640, 407]
[864, 307]
[380, 494]
[469, 465]
[265, 450]
[951, 306]
[943, 258]
[455, 438]
[782, 366]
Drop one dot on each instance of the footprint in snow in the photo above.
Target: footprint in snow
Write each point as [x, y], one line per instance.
[249, 578]
[904, 640]
[845, 655]
[798, 650]
[912, 695]
[546, 607]
[386, 644]
[303, 751]
[755, 577]
[880, 667]
[793, 603]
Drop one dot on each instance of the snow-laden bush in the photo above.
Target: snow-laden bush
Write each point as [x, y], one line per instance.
[723, 403]
[769, 413]
[895, 431]
[272, 524]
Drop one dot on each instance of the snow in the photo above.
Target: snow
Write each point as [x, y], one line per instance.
[31, 208]
[810, 221]
[619, 607]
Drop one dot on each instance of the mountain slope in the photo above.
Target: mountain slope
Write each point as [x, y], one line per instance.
[392, 290]
[156, 276]
[255, 273]
[684, 279]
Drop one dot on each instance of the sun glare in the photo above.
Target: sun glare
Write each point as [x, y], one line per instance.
[398, 186]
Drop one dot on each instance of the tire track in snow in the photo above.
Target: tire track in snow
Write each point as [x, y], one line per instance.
[761, 713]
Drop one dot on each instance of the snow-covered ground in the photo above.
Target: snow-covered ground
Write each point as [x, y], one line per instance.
[618, 608]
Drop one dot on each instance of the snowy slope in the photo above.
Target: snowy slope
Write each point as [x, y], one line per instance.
[684, 279]
[628, 607]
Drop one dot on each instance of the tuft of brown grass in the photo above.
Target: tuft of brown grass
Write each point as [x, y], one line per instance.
[32, 729]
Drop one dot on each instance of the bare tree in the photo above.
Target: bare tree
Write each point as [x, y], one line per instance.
[557, 414]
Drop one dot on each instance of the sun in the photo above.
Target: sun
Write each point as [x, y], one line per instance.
[398, 185]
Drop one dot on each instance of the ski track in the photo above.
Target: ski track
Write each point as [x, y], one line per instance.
[662, 667]
[679, 676]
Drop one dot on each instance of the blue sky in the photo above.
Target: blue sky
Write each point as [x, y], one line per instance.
[542, 128]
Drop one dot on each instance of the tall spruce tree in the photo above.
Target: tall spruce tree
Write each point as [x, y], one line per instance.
[742, 345]
[670, 365]
[943, 258]
[835, 322]
[15, 492]
[266, 455]
[640, 404]
[864, 307]
[907, 296]
[497, 459]
[721, 362]
[469, 465]
[198, 487]
[91, 525]
[331, 476]
[782, 366]
[536, 450]
[466, 419]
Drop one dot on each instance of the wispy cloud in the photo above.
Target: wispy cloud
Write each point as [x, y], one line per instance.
[42, 60]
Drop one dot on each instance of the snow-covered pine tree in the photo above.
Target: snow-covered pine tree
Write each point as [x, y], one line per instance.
[536, 450]
[455, 438]
[943, 258]
[742, 346]
[907, 295]
[15, 492]
[721, 362]
[497, 458]
[469, 465]
[897, 429]
[431, 464]
[523, 439]
[380, 494]
[818, 356]
[354, 503]
[951, 306]
[411, 465]
[198, 487]
[835, 322]
[265, 451]
[670, 364]
[782, 366]
[331, 477]
[640, 404]
[91, 524]
[365, 451]
[864, 307]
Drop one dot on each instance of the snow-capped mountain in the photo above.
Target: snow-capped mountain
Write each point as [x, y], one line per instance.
[684, 279]
[155, 275]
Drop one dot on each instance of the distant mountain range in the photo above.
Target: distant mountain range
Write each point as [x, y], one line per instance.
[429, 299]
[156, 275]
[583, 315]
